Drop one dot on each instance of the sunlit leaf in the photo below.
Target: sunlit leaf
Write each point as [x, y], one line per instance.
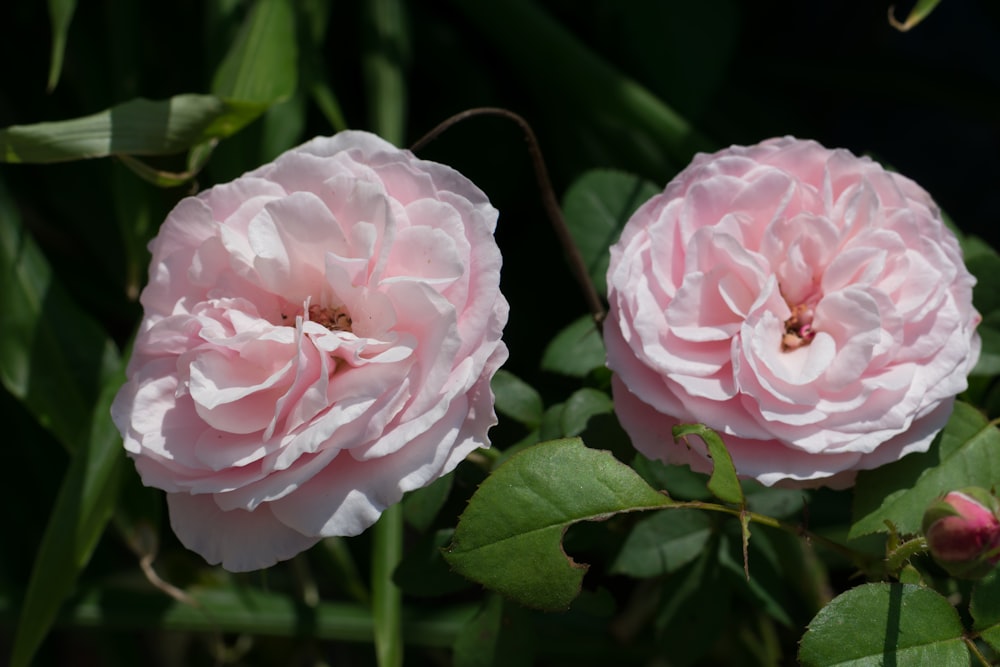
[881, 624]
[509, 537]
[596, 207]
[967, 453]
[136, 127]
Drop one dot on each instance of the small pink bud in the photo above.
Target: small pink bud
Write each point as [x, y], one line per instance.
[963, 532]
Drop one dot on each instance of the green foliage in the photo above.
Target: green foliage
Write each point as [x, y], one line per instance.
[576, 350]
[880, 624]
[967, 453]
[596, 207]
[723, 483]
[508, 538]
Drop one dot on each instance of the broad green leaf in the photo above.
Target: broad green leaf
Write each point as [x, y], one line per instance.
[663, 542]
[60, 15]
[985, 609]
[82, 509]
[581, 406]
[882, 624]
[500, 635]
[53, 356]
[509, 537]
[136, 127]
[576, 350]
[723, 483]
[967, 453]
[517, 399]
[916, 15]
[260, 66]
[596, 207]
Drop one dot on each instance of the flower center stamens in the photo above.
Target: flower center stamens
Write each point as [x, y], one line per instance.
[334, 319]
[799, 331]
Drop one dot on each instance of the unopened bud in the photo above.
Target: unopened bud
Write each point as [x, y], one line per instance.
[963, 532]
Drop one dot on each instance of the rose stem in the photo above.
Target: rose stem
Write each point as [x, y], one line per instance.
[385, 35]
[549, 201]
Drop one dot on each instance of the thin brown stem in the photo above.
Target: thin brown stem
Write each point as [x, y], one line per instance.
[549, 201]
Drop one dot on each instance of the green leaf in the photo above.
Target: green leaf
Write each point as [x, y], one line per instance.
[60, 15]
[136, 127]
[663, 543]
[498, 636]
[509, 537]
[723, 483]
[576, 350]
[517, 399]
[53, 356]
[596, 207]
[581, 406]
[916, 15]
[260, 66]
[985, 609]
[883, 624]
[967, 453]
[82, 509]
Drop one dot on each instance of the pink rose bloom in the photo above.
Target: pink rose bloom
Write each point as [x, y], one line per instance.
[806, 304]
[319, 338]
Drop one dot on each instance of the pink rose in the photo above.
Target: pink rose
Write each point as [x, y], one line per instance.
[805, 303]
[319, 338]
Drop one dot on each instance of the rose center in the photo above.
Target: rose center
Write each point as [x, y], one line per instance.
[334, 319]
[799, 328]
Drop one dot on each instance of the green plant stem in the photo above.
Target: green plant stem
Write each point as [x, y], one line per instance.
[896, 558]
[862, 561]
[387, 599]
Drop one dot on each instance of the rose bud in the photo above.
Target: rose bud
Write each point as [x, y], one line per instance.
[963, 531]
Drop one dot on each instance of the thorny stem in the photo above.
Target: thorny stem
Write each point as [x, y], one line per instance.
[549, 201]
[862, 561]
